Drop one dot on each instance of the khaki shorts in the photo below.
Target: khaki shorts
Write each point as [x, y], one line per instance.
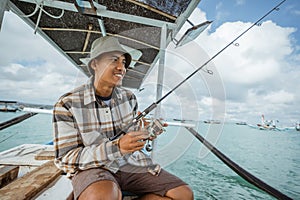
[143, 183]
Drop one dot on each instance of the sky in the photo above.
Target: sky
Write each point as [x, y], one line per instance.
[259, 75]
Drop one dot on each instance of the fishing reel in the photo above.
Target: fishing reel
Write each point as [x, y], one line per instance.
[154, 128]
[148, 146]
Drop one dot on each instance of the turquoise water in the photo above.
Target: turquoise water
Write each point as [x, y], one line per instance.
[34, 130]
[272, 156]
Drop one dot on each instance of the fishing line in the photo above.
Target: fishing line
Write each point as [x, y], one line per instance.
[9, 137]
[154, 105]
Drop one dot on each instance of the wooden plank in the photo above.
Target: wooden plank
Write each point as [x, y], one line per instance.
[8, 174]
[31, 183]
[45, 155]
[153, 9]
[23, 155]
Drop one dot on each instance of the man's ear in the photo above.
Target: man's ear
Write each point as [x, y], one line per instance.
[93, 64]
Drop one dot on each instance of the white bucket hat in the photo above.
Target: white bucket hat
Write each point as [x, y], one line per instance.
[107, 44]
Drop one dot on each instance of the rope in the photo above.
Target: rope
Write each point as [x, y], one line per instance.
[15, 120]
[239, 170]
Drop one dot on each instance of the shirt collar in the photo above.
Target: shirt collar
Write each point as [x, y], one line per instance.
[89, 92]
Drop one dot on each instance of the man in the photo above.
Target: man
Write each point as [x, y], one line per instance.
[84, 120]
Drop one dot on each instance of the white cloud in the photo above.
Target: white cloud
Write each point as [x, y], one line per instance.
[259, 55]
[279, 97]
[277, 104]
[259, 74]
[32, 70]
[13, 69]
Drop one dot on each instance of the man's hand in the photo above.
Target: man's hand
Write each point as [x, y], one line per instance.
[133, 141]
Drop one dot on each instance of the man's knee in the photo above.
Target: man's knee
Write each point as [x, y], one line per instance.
[102, 190]
[188, 192]
[183, 192]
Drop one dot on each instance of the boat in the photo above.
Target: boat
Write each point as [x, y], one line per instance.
[267, 124]
[144, 29]
[241, 123]
[212, 121]
[5, 109]
[297, 127]
[9, 106]
[179, 120]
[270, 125]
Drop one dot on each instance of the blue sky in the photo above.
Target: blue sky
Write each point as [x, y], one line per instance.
[258, 77]
[251, 10]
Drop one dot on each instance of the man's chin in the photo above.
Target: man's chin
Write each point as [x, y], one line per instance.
[119, 83]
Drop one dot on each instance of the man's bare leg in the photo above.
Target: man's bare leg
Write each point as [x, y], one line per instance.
[101, 190]
[183, 192]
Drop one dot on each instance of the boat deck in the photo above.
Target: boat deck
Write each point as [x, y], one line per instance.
[28, 172]
[37, 177]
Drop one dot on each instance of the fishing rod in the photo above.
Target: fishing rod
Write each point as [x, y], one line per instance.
[239, 170]
[154, 105]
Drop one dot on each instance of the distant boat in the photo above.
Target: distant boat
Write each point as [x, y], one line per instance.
[212, 121]
[266, 127]
[179, 120]
[267, 124]
[241, 123]
[270, 128]
[297, 127]
[7, 107]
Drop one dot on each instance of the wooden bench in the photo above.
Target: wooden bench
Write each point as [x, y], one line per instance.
[45, 155]
[8, 173]
[31, 183]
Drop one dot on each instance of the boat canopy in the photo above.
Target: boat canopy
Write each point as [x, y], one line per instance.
[144, 27]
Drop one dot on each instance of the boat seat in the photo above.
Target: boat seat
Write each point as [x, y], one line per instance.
[45, 155]
[49, 155]
[31, 183]
[8, 173]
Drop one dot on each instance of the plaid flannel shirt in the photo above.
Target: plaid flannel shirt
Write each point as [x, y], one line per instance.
[82, 128]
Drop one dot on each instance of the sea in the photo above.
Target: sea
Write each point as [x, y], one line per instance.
[272, 156]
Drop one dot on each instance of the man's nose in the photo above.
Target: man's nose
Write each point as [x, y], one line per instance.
[120, 65]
